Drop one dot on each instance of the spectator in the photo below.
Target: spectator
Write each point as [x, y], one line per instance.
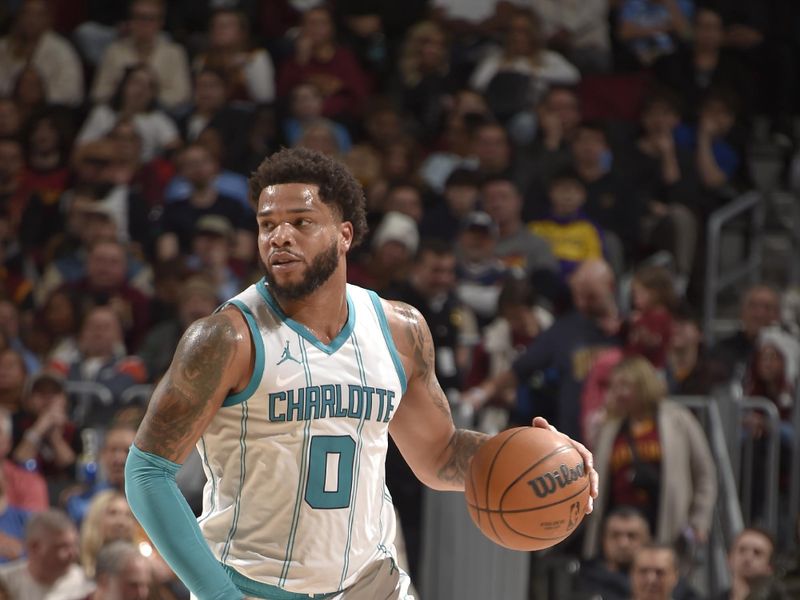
[200, 168]
[211, 255]
[652, 28]
[145, 44]
[716, 159]
[108, 519]
[320, 135]
[760, 308]
[320, 60]
[572, 237]
[13, 520]
[468, 109]
[247, 68]
[479, 272]
[46, 138]
[23, 488]
[96, 178]
[595, 393]
[608, 200]
[689, 369]
[107, 283]
[424, 80]
[773, 374]
[197, 298]
[654, 575]
[87, 223]
[406, 198]
[523, 68]
[10, 328]
[134, 99]
[29, 92]
[305, 109]
[122, 573]
[50, 571]
[666, 184]
[566, 349]
[518, 323]
[394, 245]
[750, 560]
[557, 117]
[57, 324]
[578, 30]
[33, 42]
[10, 120]
[652, 454]
[625, 532]
[649, 328]
[516, 246]
[103, 359]
[14, 197]
[45, 439]
[147, 179]
[111, 475]
[705, 65]
[460, 197]
[12, 379]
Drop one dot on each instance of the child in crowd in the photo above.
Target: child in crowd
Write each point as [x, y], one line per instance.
[650, 325]
[571, 235]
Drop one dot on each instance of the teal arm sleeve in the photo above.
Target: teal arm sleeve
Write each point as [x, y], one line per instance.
[166, 517]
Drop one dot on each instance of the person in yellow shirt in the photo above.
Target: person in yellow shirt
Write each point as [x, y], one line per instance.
[572, 236]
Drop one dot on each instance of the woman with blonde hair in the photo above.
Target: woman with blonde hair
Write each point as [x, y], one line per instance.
[425, 85]
[108, 519]
[653, 455]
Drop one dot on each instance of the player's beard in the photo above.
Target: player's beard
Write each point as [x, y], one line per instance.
[317, 273]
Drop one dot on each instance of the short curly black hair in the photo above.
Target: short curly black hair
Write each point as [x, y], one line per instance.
[337, 186]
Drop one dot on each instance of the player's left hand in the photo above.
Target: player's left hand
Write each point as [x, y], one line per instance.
[588, 460]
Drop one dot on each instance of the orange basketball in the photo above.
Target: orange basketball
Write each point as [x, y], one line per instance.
[527, 488]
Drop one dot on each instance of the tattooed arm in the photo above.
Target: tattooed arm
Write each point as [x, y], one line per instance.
[212, 359]
[437, 452]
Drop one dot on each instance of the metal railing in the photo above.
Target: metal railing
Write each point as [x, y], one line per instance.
[727, 520]
[715, 279]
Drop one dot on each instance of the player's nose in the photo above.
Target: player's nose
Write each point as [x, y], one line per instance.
[282, 235]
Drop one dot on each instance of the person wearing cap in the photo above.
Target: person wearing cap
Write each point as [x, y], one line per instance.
[394, 244]
[213, 240]
[479, 272]
[45, 439]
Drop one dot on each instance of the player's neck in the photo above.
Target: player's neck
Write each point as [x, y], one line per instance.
[324, 311]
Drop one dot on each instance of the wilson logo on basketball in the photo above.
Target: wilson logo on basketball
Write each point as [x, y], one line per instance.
[546, 484]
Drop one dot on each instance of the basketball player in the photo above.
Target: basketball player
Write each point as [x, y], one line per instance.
[288, 393]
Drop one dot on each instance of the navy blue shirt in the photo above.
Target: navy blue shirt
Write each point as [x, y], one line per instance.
[567, 349]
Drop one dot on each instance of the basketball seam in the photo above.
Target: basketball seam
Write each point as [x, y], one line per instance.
[489, 476]
[522, 510]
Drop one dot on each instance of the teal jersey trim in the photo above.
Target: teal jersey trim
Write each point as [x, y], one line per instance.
[237, 506]
[269, 592]
[302, 330]
[213, 482]
[287, 561]
[387, 336]
[359, 445]
[260, 358]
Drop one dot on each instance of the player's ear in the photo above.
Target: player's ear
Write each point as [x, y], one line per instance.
[345, 235]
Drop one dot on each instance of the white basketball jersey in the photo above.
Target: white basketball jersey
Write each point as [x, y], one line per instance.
[295, 494]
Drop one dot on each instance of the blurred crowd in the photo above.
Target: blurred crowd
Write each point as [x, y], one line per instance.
[538, 175]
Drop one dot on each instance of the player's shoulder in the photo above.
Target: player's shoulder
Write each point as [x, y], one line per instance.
[224, 328]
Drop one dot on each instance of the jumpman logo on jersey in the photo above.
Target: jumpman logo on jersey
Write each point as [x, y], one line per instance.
[287, 355]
